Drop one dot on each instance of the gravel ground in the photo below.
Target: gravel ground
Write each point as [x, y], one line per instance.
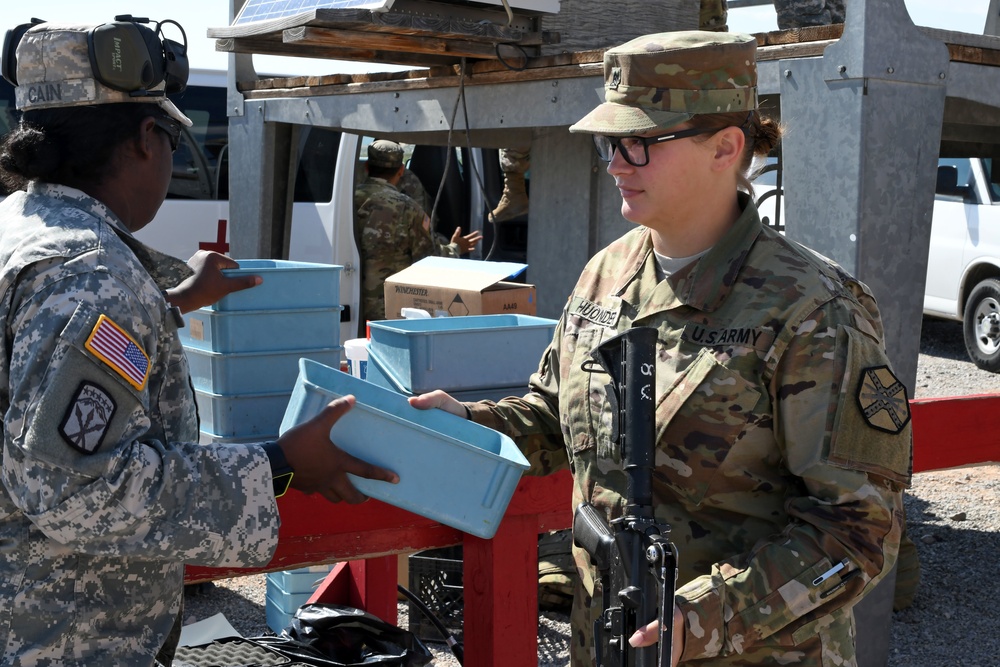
[953, 517]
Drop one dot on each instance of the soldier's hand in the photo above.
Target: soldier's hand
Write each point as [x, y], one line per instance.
[465, 243]
[208, 284]
[650, 635]
[439, 399]
[319, 465]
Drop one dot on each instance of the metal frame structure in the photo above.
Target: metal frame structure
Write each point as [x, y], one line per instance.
[866, 118]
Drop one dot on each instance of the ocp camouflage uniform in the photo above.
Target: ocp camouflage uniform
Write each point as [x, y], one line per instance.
[393, 232]
[411, 186]
[106, 492]
[783, 439]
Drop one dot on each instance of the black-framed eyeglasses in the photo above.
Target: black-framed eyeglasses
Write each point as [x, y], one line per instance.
[635, 150]
[171, 128]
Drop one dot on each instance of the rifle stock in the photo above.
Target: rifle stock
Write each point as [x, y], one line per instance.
[636, 561]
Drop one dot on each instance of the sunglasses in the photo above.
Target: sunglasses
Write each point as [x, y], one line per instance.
[635, 150]
[171, 128]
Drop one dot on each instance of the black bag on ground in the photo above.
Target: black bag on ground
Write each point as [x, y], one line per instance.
[329, 635]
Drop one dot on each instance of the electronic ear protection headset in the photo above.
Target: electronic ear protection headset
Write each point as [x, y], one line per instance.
[126, 55]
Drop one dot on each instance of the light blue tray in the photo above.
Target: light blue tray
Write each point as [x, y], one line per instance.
[379, 375]
[239, 373]
[243, 417]
[261, 330]
[460, 353]
[286, 285]
[451, 470]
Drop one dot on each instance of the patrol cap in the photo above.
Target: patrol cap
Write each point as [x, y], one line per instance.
[54, 70]
[658, 81]
[385, 153]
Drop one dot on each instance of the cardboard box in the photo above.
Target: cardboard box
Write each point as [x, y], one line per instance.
[444, 286]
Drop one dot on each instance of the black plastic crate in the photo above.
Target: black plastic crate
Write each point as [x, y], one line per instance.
[436, 578]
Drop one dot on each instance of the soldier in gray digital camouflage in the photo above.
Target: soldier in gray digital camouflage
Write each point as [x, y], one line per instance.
[106, 492]
[783, 436]
[392, 229]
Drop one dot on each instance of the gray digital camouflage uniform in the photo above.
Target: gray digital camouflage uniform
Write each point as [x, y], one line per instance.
[783, 439]
[106, 493]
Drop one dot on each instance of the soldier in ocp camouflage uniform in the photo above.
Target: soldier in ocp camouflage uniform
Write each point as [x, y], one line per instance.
[783, 437]
[106, 492]
[392, 229]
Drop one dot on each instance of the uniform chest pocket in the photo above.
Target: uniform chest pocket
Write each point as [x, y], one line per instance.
[699, 419]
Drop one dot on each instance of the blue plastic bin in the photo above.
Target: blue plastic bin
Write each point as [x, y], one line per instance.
[236, 374]
[261, 330]
[379, 375]
[286, 285]
[248, 416]
[459, 353]
[288, 590]
[451, 470]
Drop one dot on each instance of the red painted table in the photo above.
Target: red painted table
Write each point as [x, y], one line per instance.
[500, 576]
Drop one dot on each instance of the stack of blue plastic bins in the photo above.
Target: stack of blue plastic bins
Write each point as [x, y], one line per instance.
[244, 350]
[476, 357]
[289, 590]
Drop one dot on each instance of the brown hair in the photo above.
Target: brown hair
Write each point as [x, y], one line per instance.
[763, 134]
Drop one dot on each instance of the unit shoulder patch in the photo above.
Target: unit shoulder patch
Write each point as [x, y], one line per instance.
[87, 418]
[119, 351]
[882, 399]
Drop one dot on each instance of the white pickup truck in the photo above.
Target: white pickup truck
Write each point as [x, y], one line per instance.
[963, 265]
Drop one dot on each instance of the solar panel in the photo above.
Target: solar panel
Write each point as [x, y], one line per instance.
[264, 10]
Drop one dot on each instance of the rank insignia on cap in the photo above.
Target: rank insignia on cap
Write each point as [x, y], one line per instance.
[109, 343]
[882, 398]
[87, 419]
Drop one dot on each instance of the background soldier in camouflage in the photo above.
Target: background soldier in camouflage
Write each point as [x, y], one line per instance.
[392, 229]
[783, 439]
[411, 186]
[106, 493]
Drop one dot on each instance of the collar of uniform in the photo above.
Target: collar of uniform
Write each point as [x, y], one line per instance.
[166, 271]
[382, 181]
[706, 282]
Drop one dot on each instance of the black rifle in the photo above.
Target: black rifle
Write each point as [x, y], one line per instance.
[636, 561]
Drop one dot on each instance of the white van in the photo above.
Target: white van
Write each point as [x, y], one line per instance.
[963, 265]
[196, 213]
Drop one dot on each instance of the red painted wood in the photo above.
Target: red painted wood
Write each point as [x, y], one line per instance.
[364, 584]
[500, 581]
[955, 431]
[500, 575]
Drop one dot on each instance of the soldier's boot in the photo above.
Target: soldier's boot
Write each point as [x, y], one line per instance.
[514, 201]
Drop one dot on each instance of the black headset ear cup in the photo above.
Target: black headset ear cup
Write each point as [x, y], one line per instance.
[9, 55]
[126, 56]
[176, 64]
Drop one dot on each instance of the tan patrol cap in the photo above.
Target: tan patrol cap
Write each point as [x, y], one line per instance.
[54, 70]
[658, 81]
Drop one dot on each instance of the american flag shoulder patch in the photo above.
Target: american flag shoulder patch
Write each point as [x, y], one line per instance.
[109, 343]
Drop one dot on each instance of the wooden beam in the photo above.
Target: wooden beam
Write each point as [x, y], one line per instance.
[350, 39]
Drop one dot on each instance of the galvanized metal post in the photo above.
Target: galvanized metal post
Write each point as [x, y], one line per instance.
[860, 160]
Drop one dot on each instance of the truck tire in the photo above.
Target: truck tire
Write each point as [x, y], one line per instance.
[982, 325]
